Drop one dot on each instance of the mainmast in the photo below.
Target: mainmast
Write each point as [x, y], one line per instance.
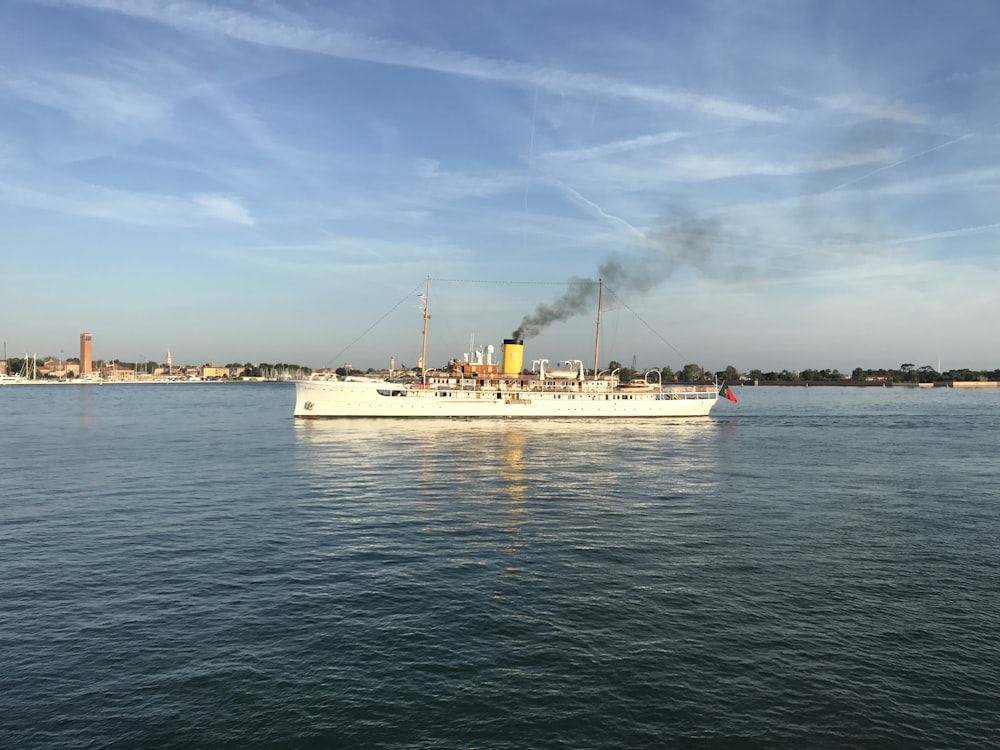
[426, 297]
[597, 341]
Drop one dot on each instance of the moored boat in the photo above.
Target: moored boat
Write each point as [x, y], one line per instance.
[477, 387]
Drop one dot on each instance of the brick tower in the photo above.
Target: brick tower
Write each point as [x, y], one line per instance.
[86, 341]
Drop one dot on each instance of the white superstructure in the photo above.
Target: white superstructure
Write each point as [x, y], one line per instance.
[524, 397]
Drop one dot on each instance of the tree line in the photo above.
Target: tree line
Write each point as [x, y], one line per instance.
[905, 373]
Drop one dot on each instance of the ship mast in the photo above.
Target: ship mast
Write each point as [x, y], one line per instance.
[597, 340]
[426, 297]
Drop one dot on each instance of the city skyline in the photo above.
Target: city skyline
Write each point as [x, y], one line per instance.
[773, 185]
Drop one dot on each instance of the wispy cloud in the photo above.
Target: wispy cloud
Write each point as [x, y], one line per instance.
[870, 107]
[223, 207]
[270, 32]
[674, 171]
[144, 209]
[603, 150]
[451, 184]
[116, 103]
[704, 167]
[962, 182]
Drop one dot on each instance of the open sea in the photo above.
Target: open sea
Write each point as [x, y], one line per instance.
[184, 565]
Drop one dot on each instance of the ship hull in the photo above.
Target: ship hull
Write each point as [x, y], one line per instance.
[333, 399]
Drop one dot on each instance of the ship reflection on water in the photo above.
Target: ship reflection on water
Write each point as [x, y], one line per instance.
[512, 468]
[470, 462]
[469, 446]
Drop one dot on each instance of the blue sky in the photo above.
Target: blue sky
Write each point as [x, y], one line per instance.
[768, 184]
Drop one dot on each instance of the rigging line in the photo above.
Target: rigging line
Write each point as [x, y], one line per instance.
[641, 320]
[389, 312]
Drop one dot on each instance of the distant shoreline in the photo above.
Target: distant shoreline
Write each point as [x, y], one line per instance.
[963, 384]
[46, 381]
[872, 384]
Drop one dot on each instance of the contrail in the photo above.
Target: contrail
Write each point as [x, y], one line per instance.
[960, 232]
[595, 209]
[900, 162]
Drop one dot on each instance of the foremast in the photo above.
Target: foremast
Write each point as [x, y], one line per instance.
[426, 298]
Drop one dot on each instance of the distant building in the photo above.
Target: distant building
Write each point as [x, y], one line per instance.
[57, 368]
[117, 372]
[211, 371]
[86, 346]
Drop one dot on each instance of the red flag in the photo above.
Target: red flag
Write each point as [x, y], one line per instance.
[726, 393]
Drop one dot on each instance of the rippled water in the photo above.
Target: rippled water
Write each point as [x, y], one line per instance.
[185, 565]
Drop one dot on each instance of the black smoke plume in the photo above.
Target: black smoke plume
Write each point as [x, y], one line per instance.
[679, 239]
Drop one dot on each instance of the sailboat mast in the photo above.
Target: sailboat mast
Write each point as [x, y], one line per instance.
[597, 340]
[427, 316]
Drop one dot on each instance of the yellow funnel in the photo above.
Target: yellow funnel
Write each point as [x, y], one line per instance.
[513, 356]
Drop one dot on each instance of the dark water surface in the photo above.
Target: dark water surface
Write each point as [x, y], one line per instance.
[186, 566]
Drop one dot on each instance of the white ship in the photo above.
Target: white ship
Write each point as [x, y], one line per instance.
[477, 387]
